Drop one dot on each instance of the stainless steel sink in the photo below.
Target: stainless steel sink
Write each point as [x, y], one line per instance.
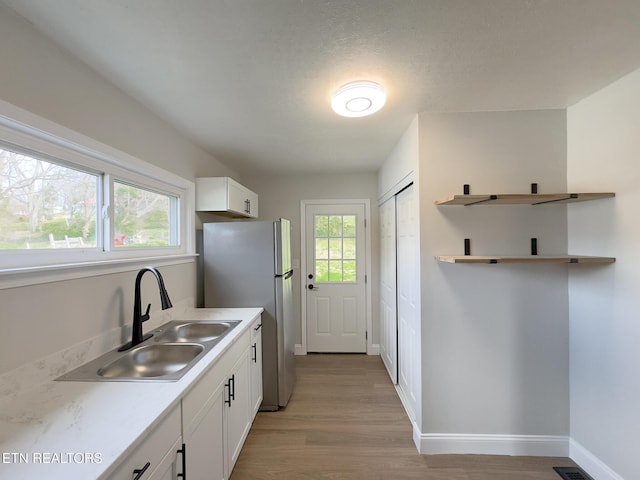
[173, 349]
[152, 361]
[195, 331]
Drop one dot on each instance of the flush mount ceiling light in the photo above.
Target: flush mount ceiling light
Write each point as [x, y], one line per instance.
[358, 99]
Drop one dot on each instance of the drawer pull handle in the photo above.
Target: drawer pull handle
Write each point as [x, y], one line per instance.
[138, 472]
[183, 452]
[258, 327]
[254, 357]
[227, 401]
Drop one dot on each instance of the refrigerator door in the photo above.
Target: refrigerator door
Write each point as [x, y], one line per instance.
[239, 261]
[282, 232]
[286, 340]
[238, 272]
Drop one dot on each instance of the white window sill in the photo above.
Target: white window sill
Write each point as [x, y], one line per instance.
[25, 276]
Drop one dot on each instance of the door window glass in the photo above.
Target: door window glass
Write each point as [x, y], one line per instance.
[335, 248]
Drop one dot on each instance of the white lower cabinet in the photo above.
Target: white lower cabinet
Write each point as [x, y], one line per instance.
[217, 413]
[159, 455]
[171, 467]
[204, 433]
[256, 366]
[238, 411]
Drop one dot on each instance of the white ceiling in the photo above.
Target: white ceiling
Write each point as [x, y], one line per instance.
[251, 80]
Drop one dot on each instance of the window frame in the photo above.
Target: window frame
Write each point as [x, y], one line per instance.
[26, 133]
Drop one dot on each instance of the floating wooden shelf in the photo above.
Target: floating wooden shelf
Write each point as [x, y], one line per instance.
[522, 198]
[523, 259]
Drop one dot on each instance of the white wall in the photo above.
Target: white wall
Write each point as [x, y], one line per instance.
[46, 81]
[494, 337]
[603, 155]
[280, 196]
[49, 82]
[401, 163]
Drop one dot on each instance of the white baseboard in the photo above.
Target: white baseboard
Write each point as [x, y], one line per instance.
[590, 463]
[374, 349]
[480, 444]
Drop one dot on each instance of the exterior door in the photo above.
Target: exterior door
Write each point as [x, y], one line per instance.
[335, 284]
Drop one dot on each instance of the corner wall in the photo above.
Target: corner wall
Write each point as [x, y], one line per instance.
[495, 338]
[603, 155]
[50, 83]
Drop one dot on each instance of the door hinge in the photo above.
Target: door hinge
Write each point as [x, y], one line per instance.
[366, 335]
[365, 279]
[365, 223]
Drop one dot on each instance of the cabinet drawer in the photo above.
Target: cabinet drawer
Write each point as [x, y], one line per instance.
[256, 329]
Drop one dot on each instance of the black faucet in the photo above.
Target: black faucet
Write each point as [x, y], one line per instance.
[138, 317]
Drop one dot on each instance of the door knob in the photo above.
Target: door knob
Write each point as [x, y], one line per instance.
[310, 287]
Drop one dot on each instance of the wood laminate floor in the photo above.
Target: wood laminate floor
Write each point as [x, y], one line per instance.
[345, 421]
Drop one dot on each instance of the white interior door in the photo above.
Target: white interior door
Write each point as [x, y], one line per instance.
[335, 285]
[408, 298]
[388, 317]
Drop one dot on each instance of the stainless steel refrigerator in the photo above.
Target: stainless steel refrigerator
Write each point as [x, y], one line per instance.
[248, 264]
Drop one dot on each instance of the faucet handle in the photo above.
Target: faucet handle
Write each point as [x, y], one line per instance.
[145, 317]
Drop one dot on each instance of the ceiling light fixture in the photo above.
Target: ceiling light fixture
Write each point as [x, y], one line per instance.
[358, 99]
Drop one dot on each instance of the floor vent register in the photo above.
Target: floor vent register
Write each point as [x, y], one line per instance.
[572, 473]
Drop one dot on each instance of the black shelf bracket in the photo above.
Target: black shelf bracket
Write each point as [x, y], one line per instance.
[466, 189]
[571, 196]
[534, 188]
[467, 246]
[534, 246]
[488, 199]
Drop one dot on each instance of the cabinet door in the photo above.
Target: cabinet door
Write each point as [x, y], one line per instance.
[204, 438]
[171, 464]
[238, 200]
[256, 367]
[152, 451]
[252, 204]
[237, 411]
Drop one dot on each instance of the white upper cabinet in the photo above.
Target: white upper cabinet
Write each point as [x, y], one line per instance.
[225, 196]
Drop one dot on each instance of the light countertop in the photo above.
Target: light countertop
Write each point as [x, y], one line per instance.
[80, 430]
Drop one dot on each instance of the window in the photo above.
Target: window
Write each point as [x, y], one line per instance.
[335, 248]
[142, 218]
[44, 205]
[68, 201]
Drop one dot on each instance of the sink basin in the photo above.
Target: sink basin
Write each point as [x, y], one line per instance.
[195, 331]
[152, 361]
[173, 349]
